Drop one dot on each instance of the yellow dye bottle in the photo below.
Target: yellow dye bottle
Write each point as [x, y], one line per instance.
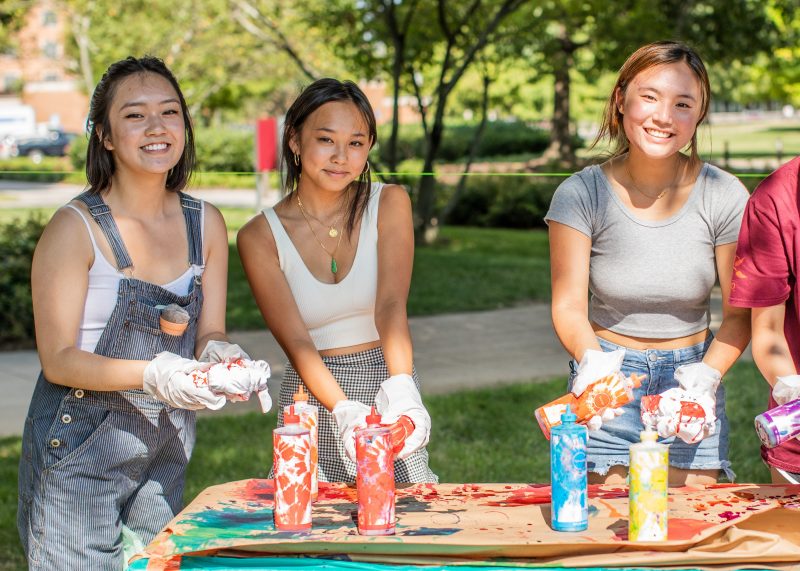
[647, 497]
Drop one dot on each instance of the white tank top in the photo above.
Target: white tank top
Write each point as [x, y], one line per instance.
[101, 296]
[340, 314]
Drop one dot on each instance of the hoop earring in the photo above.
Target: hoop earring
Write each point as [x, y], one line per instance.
[296, 160]
[366, 169]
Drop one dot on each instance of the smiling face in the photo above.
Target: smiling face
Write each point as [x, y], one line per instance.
[147, 126]
[661, 108]
[333, 145]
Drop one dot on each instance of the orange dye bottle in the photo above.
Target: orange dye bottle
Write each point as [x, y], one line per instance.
[375, 478]
[611, 391]
[309, 419]
[292, 463]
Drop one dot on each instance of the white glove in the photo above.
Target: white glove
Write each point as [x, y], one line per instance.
[699, 379]
[678, 412]
[350, 415]
[595, 365]
[596, 422]
[219, 351]
[238, 379]
[786, 389]
[180, 382]
[398, 396]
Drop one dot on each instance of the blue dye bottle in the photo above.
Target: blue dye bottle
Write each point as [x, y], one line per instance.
[568, 478]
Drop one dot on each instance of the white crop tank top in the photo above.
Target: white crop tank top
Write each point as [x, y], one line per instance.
[101, 296]
[340, 314]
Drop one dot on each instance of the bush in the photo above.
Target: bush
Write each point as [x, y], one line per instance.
[51, 169]
[504, 202]
[499, 139]
[17, 242]
[222, 150]
[77, 152]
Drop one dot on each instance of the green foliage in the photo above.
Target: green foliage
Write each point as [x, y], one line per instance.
[504, 201]
[17, 242]
[499, 138]
[51, 169]
[224, 150]
[77, 152]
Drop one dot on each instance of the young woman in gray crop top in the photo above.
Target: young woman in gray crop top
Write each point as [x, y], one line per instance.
[647, 233]
[330, 268]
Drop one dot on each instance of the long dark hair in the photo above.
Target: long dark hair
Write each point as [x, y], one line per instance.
[644, 58]
[99, 160]
[310, 99]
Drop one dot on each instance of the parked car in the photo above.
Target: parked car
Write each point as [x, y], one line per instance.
[53, 144]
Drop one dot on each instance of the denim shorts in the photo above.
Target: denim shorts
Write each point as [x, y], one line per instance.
[611, 444]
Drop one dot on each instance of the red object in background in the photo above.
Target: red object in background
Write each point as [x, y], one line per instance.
[266, 144]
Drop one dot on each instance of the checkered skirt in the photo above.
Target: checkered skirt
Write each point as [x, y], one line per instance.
[360, 376]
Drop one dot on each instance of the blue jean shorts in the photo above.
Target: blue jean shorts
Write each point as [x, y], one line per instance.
[610, 445]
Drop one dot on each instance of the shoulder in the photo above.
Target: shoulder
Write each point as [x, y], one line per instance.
[394, 196]
[66, 236]
[780, 187]
[584, 180]
[718, 180]
[256, 231]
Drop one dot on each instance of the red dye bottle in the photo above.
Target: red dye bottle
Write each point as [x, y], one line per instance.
[292, 462]
[375, 478]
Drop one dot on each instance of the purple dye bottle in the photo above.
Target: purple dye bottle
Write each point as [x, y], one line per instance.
[779, 424]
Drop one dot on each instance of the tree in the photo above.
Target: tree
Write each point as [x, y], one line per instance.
[12, 17]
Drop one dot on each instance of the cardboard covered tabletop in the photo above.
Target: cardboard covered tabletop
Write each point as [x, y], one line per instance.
[738, 526]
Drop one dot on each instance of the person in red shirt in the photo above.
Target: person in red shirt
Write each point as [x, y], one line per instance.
[765, 279]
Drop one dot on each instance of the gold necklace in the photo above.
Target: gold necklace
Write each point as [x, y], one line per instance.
[332, 230]
[334, 265]
[640, 191]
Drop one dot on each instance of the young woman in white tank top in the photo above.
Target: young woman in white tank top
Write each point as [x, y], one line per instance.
[330, 268]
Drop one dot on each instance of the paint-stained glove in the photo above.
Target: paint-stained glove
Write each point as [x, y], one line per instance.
[594, 366]
[219, 351]
[238, 379]
[786, 389]
[350, 415]
[398, 396]
[180, 382]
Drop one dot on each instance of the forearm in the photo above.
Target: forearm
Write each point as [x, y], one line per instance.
[731, 339]
[772, 356]
[316, 376]
[78, 369]
[574, 330]
[202, 340]
[391, 322]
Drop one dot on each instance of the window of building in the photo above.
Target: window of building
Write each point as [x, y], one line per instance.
[50, 49]
[51, 76]
[49, 18]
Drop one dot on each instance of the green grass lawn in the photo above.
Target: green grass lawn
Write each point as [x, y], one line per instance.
[487, 435]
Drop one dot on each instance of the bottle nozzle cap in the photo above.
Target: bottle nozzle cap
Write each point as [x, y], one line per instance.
[568, 416]
[373, 418]
[648, 435]
[289, 417]
[300, 395]
[636, 380]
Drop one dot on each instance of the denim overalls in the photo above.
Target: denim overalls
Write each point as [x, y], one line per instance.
[93, 460]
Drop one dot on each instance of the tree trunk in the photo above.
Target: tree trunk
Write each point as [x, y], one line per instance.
[424, 221]
[473, 150]
[560, 148]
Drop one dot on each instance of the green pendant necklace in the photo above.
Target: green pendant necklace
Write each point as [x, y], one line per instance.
[334, 265]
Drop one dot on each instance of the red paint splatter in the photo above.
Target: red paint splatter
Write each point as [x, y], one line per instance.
[728, 516]
[529, 495]
[681, 529]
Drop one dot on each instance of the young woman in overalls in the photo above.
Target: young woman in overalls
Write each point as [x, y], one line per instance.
[111, 424]
[330, 268]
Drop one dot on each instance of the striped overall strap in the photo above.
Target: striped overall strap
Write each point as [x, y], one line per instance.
[101, 214]
[192, 212]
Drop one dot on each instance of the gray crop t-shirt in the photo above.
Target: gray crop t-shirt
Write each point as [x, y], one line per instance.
[651, 278]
